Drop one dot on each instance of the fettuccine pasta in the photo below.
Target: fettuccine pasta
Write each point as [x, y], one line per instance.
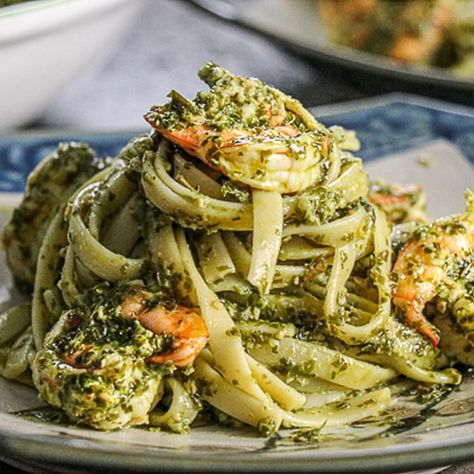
[228, 263]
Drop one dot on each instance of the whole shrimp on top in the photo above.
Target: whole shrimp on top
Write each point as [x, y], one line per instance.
[428, 262]
[252, 133]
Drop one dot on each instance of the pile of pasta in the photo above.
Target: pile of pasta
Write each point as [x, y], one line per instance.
[292, 285]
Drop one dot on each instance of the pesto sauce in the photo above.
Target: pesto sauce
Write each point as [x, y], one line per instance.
[308, 435]
[45, 414]
[430, 398]
[233, 102]
[316, 205]
[235, 191]
[48, 186]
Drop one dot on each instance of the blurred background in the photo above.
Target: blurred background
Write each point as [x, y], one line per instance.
[141, 49]
[164, 47]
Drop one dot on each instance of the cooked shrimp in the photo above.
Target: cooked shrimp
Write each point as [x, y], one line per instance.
[103, 363]
[93, 366]
[425, 261]
[264, 160]
[248, 131]
[401, 203]
[187, 328]
[420, 47]
[184, 325]
[455, 318]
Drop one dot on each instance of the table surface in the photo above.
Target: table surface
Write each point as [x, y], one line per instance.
[163, 49]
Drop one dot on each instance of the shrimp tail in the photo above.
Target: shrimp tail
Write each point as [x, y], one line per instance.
[183, 353]
[415, 319]
[183, 138]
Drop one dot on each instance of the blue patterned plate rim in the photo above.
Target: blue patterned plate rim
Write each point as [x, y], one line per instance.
[385, 99]
[385, 124]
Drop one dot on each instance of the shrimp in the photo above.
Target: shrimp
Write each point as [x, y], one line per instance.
[184, 325]
[401, 203]
[102, 363]
[93, 367]
[248, 131]
[425, 261]
[420, 48]
[456, 298]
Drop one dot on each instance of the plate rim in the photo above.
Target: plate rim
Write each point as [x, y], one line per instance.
[74, 450]
[381, 100]
[321, 111]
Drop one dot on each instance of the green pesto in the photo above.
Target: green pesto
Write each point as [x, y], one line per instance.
[456, 296]
[258, 337]
[45, 414]
[134, 150]
[167, 284]
[258, 118]
[236, 192]
[292, 371]
[400, 204]
[404, 339]
[49, 186]
[267, 427]
[308, 435]
[232, 102]
[316, 205]
[425, 393]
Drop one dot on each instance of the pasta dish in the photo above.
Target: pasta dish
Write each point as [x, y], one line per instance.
[233, 263]
[435, 32]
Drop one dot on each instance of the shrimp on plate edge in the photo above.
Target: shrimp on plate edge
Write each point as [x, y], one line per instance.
[424, 262]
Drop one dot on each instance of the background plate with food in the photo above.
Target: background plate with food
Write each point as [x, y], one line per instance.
[301, 27]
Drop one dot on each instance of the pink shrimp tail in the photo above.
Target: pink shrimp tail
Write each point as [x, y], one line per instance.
[183, 138]
[415, 319]
[182, 355]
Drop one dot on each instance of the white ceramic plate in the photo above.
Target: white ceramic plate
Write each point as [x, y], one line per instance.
[432, 435]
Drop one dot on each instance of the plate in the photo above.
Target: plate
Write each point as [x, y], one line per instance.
[297, 25]
[404, 138]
